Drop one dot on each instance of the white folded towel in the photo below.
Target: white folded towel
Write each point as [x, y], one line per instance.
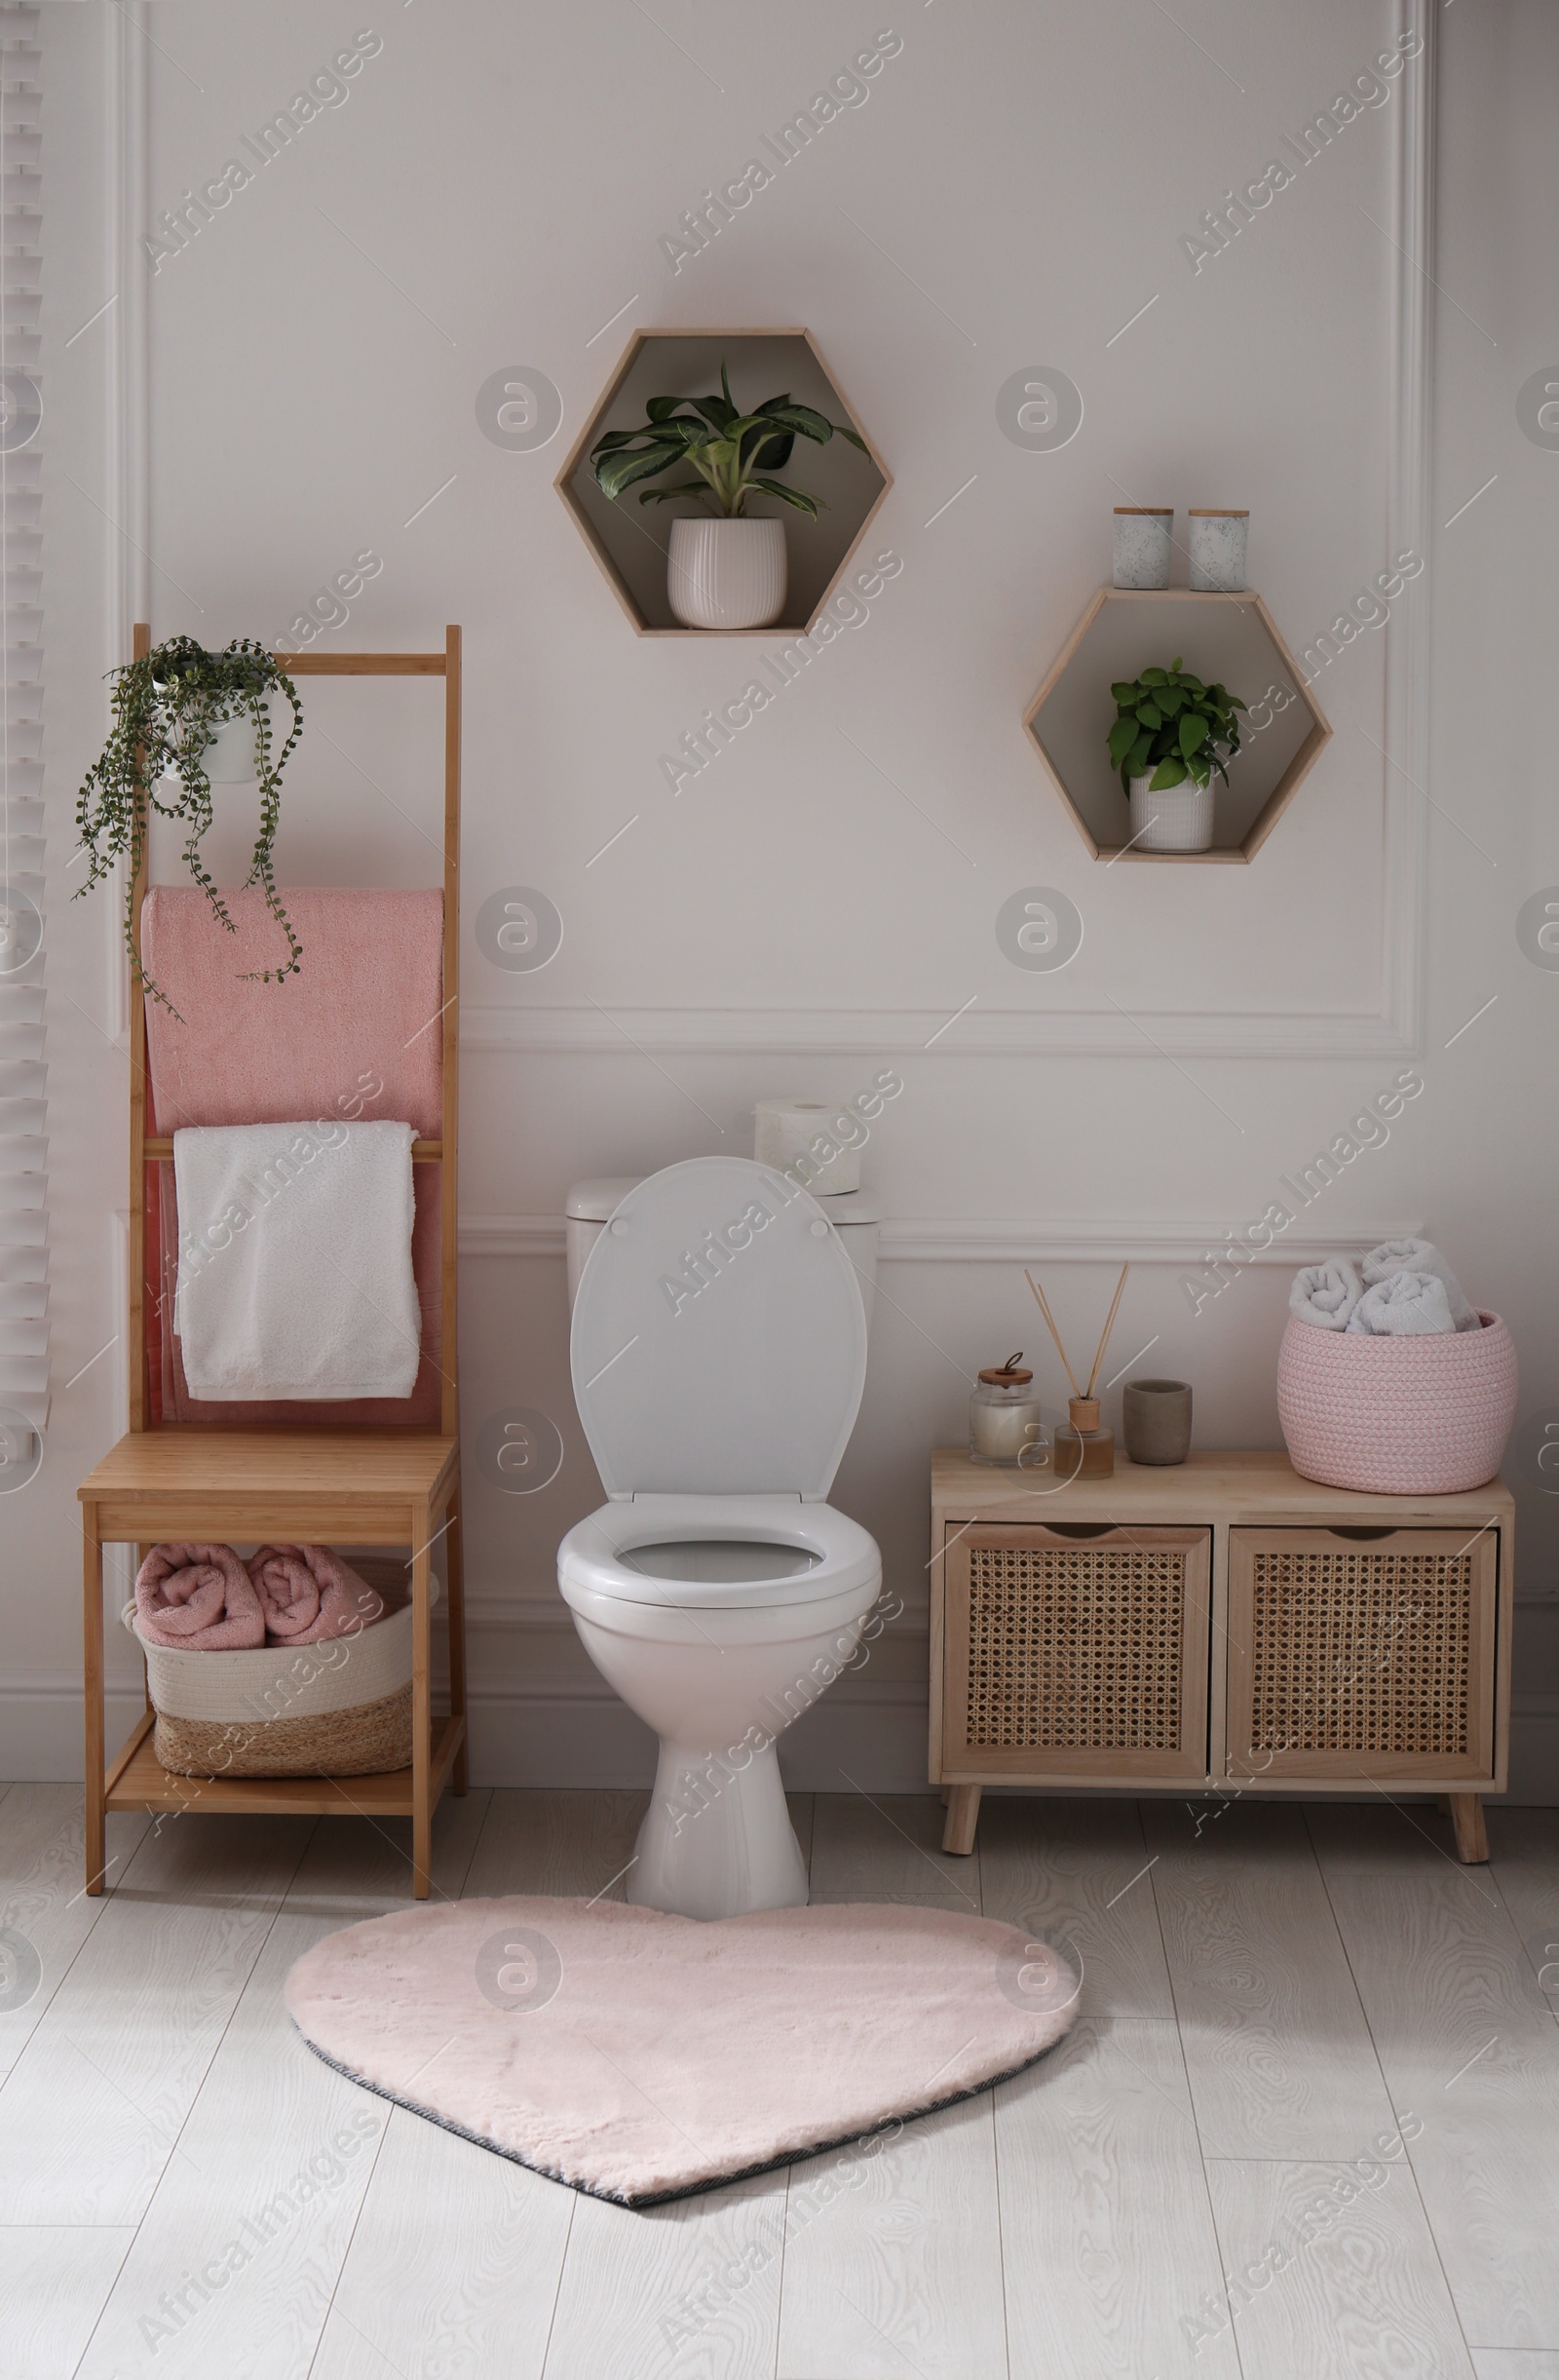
[1325, 1294]
[294, 1261]
[1404, 1305]
[1420, 1256]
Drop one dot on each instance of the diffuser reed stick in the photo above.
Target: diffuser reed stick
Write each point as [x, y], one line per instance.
[1109, 1325]
[1049, 1320]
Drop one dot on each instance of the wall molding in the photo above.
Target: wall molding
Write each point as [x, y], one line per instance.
[954, 1240]
[1390, 1029]
[1394, 1028]
[566, 1030]
[1410, 522]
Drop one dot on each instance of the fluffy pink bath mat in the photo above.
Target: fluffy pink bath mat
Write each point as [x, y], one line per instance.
[640, 2057]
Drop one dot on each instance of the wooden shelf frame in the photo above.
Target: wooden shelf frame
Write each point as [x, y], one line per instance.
[1231, 1495]
[718, 343]
[249, 1483]
[1315, 740]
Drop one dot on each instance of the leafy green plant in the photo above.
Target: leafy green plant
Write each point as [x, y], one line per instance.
[731, 452]
[1168, 721]
[167, 708]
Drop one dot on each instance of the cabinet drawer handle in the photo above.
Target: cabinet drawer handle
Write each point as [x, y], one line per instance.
[1362, 1536]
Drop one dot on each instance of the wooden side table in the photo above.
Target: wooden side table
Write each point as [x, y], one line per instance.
[1221, 1623]
[375, 1487]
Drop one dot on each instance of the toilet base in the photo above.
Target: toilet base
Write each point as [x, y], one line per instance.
[717, 1841]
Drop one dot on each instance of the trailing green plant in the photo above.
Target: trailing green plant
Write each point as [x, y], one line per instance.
[167, 709]
[1169, 722]
[731, 453]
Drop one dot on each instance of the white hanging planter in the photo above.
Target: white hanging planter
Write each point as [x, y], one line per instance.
[727, 574]
[1178, 817]
[229, 760]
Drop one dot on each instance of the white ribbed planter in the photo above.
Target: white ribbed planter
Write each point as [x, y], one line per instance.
[1182, 817]
[727, 574]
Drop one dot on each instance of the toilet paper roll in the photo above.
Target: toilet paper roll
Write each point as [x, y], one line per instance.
[798, 1136]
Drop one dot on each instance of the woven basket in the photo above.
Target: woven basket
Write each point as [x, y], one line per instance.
[335, 1709]
[1397, 1416]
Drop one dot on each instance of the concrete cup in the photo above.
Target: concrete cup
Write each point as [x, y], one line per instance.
[1156, 1420]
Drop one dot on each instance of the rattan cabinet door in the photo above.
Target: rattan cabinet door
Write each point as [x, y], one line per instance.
[1362, 1653]
[1079, 1652]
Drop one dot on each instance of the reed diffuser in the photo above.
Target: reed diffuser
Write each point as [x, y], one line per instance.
[1083, 1449]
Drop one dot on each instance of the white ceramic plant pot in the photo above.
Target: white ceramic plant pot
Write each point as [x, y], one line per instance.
[727, 573]
[1177, 818]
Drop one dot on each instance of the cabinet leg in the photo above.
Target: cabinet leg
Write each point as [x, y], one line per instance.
[455, 1576]
[946, 1790]
[92, 1638]
[420, 1713]
[963, 1818]
[1471, 1834]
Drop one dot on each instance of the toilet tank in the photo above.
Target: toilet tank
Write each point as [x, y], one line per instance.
[854, 1214]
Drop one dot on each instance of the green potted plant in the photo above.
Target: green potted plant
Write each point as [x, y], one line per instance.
[1170, 733]
[727, 569]
[185, 719]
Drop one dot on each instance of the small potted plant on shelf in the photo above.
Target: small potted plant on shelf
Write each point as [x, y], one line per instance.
[727, 569]
[1170, 733]
[183, 721]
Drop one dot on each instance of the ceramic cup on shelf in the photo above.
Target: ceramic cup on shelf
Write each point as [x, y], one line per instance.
[1143, 536]
[1217, 547]
[1156, 1420]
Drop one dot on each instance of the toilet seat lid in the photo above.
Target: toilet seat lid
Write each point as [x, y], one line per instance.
[719, 1338]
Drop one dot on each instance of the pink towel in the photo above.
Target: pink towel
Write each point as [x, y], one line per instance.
[308, 1594]
[198, 1599]
[356, 1033]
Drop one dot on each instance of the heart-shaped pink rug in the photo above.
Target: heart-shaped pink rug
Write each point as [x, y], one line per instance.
[640, 2056]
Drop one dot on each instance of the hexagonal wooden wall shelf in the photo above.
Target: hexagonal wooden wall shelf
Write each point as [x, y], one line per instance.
[1234, 637]
[630, 540]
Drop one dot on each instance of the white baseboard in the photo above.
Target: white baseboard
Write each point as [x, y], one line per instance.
[576, 1733]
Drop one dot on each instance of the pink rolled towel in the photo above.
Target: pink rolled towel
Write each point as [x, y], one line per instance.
[307, 1593]
[198, 1599]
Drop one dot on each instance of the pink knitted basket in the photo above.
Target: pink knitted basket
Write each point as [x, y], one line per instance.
[1397, 1417]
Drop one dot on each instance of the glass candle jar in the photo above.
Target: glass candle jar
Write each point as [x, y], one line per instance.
[1003, 1415]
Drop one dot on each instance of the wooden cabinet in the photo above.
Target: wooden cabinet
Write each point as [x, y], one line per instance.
[1222, 1625]
[1362, 1653]
[1077, 1651]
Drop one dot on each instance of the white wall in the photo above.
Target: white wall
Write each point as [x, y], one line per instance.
[491, 193]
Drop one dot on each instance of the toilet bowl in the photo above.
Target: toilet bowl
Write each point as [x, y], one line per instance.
[718, 1353]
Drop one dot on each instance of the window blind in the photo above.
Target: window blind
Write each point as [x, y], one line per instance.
[23, 1142]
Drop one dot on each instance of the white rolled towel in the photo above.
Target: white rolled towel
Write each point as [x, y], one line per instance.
[1404, 1306]
[1420, 1256]
[1325, 1294]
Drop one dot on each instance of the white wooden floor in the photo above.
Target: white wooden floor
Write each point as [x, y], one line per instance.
[1210, 2177]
